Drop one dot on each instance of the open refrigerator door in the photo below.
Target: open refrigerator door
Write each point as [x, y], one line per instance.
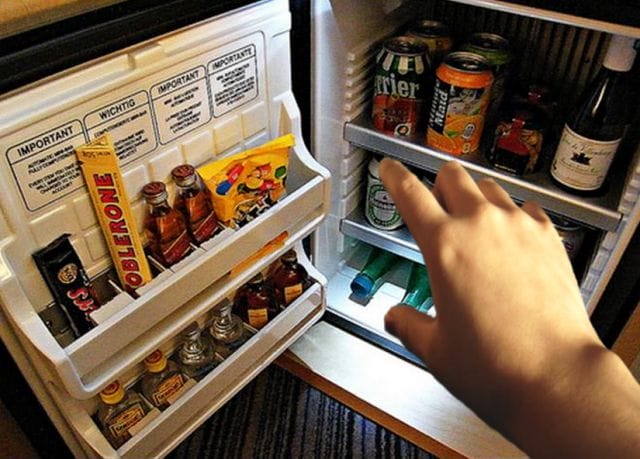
[196, 95]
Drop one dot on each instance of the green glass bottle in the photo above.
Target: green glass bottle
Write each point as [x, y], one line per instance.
[369, 278]
[418, 293]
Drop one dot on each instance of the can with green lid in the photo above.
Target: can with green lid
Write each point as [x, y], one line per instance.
[497, 51]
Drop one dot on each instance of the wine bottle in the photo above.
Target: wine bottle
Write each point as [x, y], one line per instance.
[596, 125]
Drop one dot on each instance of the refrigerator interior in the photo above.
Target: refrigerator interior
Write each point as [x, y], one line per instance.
[194, 95]
[560, 50]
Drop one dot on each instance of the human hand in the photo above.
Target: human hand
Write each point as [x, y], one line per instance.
[511, 327]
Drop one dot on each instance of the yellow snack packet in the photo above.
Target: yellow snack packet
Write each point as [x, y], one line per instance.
[245, 184]
[99, 164]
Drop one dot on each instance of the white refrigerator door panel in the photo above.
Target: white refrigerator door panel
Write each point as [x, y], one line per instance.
[200, 93]
[174, 424]
[210, 90]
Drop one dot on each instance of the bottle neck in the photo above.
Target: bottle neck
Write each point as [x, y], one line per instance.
[193, 346]
[190, 189]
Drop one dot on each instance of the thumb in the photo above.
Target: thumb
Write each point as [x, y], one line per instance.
[416, 330]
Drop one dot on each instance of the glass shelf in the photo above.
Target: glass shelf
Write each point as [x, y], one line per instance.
[398, 241]
[598, 212]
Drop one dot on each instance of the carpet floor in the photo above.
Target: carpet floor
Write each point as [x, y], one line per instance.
[279, 416]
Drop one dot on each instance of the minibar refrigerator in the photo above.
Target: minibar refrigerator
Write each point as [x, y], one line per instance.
[191, 82]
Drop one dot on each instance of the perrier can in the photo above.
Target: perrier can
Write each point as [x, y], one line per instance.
[401, 86]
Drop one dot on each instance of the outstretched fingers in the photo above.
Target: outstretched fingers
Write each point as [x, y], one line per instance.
[416, 330]
[419, 208]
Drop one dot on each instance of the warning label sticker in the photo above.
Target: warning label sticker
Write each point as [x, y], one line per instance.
[129, 122]
[234, 79]
[45, 166]
[181, 104]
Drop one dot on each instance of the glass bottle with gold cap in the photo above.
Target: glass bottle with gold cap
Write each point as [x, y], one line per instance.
[119, 411]
[162, 380]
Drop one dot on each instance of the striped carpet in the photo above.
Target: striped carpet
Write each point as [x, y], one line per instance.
[279, 416]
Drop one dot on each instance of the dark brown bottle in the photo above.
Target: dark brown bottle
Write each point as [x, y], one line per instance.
[164, 226]
[290, 279]
[255, 302]
[193, 201]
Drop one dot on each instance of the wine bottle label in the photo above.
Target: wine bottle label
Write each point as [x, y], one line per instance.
[119, 425]
[292, 292]
[581, 163]
[166, 389]
[258, 318]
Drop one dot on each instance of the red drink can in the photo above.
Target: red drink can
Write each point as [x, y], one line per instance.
[400, 86]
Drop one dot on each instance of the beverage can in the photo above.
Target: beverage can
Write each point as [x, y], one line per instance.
[400, 86]
[496, 50]
[460, 99]
[572, 235]
[380, 210]
[435, 35]
[518, 139]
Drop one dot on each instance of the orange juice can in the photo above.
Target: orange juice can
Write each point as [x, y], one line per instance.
[461, 96]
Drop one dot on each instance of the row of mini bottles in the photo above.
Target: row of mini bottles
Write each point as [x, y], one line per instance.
[258, 301]
[172, 230]
[123, 408]
[165, 379]
[200, 352]
[379, 263]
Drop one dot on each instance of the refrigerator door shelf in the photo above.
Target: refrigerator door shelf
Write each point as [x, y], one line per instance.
[175, 423]
[123, 339]
[599, 212]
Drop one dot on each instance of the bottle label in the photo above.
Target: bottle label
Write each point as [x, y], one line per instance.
[205, 229]
[177, 250]
[581, 163]
[292, 292]
[258, 318]
[166, 389]
[119, 425]
[202, 219]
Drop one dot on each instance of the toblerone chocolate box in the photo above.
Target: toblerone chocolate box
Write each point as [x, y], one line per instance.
[99, 164]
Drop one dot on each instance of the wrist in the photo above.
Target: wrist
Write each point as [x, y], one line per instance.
[563, 411]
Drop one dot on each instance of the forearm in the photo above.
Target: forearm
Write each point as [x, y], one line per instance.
[587, 406]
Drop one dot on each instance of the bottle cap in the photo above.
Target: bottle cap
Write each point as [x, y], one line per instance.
[184, 175]
[192, 331]
[113, 393]
[290, 257]
[154, 192]
[620, 53]
[257, 279]
[156, 361]
[362, 285]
